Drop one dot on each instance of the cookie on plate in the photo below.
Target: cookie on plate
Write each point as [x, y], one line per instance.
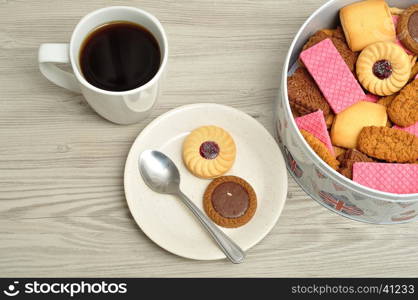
[230, 201]
[209, 151]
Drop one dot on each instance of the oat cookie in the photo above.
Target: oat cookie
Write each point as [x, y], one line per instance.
[403, 110]
[320, 149]
[209, 151]
[389, 144]
[385, 101]
[230, 201]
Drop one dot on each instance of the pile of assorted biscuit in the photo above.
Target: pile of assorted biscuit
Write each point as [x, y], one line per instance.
[354, 95]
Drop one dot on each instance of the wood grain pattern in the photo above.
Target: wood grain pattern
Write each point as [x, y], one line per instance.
[62, 205]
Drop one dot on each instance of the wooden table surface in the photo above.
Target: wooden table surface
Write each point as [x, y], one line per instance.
[62, 205]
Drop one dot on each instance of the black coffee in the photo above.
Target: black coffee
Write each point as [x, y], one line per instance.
[119, 56]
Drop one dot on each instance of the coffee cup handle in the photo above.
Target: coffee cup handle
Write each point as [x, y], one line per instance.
[48, 56]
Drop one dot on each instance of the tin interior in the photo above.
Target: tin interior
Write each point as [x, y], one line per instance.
[327, 17]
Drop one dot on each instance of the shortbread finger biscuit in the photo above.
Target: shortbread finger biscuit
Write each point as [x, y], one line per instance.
[209, 151]
[403, 110]
[320, 149]
[389, 144]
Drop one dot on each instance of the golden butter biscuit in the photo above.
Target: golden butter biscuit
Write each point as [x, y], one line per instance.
[383, 68]
[209, 151]
[348, 123]
[367, 22]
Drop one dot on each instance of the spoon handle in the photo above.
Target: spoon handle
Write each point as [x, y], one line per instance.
[231, 250]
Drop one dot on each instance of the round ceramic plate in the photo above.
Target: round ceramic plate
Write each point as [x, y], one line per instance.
[165, 219]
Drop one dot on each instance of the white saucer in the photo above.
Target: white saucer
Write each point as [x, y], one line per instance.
[165, 220]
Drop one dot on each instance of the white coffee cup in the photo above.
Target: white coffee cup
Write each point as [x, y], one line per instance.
[125, 107]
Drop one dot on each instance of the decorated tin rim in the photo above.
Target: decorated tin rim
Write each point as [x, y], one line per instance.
[316, 160]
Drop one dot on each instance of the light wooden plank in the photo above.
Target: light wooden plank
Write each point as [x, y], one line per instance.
[62, 205]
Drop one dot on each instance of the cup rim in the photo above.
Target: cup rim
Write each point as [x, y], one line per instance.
[313, 157]
[151, 82]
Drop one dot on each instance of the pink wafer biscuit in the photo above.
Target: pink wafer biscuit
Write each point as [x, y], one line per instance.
[387, 177]
[332, 75]
[395, 21]
[371, 98]
[411, 129]
[315, 124]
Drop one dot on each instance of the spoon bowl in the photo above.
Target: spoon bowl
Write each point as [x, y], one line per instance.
[159, 172]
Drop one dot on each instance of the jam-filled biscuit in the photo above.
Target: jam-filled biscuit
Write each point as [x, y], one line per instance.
[383, 68]
[407, 28]
[230, 201]
[209, 151]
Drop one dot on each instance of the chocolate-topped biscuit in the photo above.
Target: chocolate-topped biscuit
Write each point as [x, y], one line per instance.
[230, 201]
[304, 95]
[407, 28]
